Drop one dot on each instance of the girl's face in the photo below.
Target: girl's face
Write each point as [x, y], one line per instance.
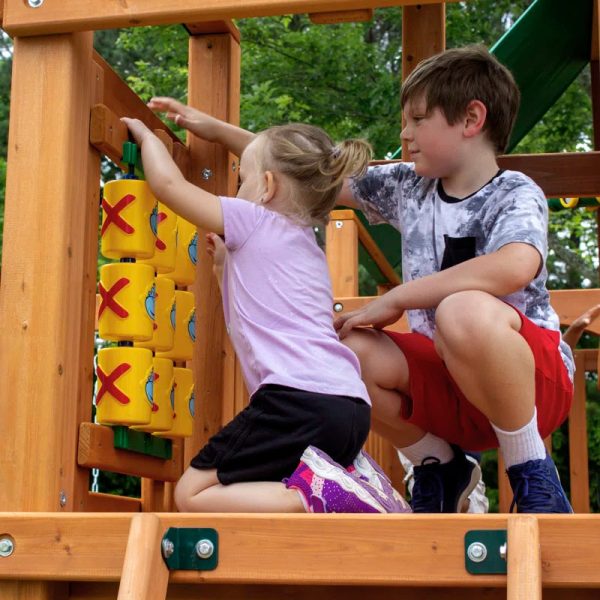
[252, 179]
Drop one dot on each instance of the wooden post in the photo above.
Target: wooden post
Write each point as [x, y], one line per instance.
[524, 558]
[214, 87]
[47, 296]
[423, 35]
[145, 576]
[341, 244]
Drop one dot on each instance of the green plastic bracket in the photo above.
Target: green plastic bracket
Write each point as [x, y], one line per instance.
[190, 549]
[142, 442]
[485, 552]
[130, 153]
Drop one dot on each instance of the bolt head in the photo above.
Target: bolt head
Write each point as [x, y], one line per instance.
[206, 174]
[35, 3]
[339, 224]
[338, 307]
[477, 552]
[62, 498]
[168, 547]
[7, 547]
[205, 549]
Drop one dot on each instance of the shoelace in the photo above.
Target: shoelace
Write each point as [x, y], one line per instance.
[522, 490]
[428, 488]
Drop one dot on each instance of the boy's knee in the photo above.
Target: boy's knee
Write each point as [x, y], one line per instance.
[358, 340]
[181, 497]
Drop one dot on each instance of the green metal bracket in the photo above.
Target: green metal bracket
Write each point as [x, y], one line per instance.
[142, 442]
[485, 552]
[190, 549]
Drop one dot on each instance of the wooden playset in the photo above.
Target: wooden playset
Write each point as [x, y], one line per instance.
[58, 539]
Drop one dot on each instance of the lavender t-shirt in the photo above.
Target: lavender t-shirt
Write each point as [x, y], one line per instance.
[277, 302]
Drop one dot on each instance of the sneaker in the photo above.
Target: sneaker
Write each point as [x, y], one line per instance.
[537, 488]
[326, 487]
[368, 470]
[443, 488]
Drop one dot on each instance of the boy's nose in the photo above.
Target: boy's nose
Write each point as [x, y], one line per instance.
[405, 134]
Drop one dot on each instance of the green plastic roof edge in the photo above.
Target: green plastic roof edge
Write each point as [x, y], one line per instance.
[545, 49]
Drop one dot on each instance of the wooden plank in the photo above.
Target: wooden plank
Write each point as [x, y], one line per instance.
[47, 219]
[153, 494]
[71, 15]
[204, 27]
[570, 304]
[96, 450]
[213, 87]
[392, 550]
[578, 442]
[145, 575]
[341, 248]
[342, 16]
[347, 304]
[595, 50]
[98, 502]
[524, 559]
[505, 493]
[1, 12]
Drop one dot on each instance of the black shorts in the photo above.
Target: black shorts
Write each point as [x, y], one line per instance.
[265, 441]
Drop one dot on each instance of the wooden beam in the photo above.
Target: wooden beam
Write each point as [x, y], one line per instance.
[524, 558]
[392, 550]
[72, 15]
[570, 304]
[343, 305]
[341, 248]
[96, 450]
[204, 27]
[213, 87]
[345, 16]
[49, 266]
[98, 502]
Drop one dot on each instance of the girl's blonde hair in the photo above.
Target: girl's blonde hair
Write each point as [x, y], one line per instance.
[314, 165]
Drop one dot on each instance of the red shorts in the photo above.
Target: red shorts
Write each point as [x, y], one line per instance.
[439, 407]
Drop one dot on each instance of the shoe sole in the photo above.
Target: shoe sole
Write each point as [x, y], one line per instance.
[320, 466]
[475, 477]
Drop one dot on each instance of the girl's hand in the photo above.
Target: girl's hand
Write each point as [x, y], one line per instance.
[197, 122]
[139, 131]
[216, 248]
[378, 313]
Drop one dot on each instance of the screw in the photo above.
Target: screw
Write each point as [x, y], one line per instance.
[503, 551]
[477, 552]
[204, 549]
[62, 498]
[206, 174]
[168, 547]
[338, 307]
[7, 547]
[339, 224]
[233, 167]
[35, 3]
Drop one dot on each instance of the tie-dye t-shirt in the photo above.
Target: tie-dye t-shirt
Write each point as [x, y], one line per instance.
[439, 231]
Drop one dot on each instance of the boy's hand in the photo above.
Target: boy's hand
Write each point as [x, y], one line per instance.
[139, 131]
[187, 117]
[378, 313]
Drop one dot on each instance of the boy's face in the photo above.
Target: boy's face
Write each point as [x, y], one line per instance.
[433, 145]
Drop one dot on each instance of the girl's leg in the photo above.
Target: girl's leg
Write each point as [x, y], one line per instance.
[200, 491]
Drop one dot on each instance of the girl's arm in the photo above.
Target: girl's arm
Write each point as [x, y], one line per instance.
[500, 273]
[168, 184]
[235, 139]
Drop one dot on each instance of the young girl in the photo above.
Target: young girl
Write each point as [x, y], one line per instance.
[309, 411]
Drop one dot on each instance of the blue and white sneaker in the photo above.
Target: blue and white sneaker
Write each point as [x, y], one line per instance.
[443, 488]
[536, 487]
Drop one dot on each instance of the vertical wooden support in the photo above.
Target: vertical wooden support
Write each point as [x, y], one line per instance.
[145, 576]
[524, 580]
[214, 87]
[423, 35]
[505, 494]
[578, 442]
[595, 78]
[341, 244]
[47, 295]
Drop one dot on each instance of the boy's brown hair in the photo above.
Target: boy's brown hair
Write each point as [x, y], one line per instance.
[451, 80]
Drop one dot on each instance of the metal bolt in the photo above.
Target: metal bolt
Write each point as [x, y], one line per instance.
[7, 547]
[503, 552]
[233, 166]
[62, 498]
[35, 3]
[338, 307]
[339, 224]
[477, 552]
[204, 549]
[206, 174]
[168, 547]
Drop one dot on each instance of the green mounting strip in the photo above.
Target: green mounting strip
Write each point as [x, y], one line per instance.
[182, 548]
[130, 153]
[482, 552]
[142, 442]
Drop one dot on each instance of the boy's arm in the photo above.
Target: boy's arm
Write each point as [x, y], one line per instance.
[346, 197]
[168, 184]
[499, 273]
[208, 128]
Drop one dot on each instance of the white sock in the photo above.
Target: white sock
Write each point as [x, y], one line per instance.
[521, 445]
[428, 446]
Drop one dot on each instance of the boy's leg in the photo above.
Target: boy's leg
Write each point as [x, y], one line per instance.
[480, 340]
[443, 475]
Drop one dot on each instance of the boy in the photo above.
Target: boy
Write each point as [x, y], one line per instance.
[485, 365]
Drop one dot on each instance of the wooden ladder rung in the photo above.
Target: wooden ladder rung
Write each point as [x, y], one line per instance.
[524, 558]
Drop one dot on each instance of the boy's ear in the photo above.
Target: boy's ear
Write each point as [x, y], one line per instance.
[270, 187]
[475, 117]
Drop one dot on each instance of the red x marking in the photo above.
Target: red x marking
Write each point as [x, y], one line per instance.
[159, 243]
[107, 384]
[108, 298]
[113, 214]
